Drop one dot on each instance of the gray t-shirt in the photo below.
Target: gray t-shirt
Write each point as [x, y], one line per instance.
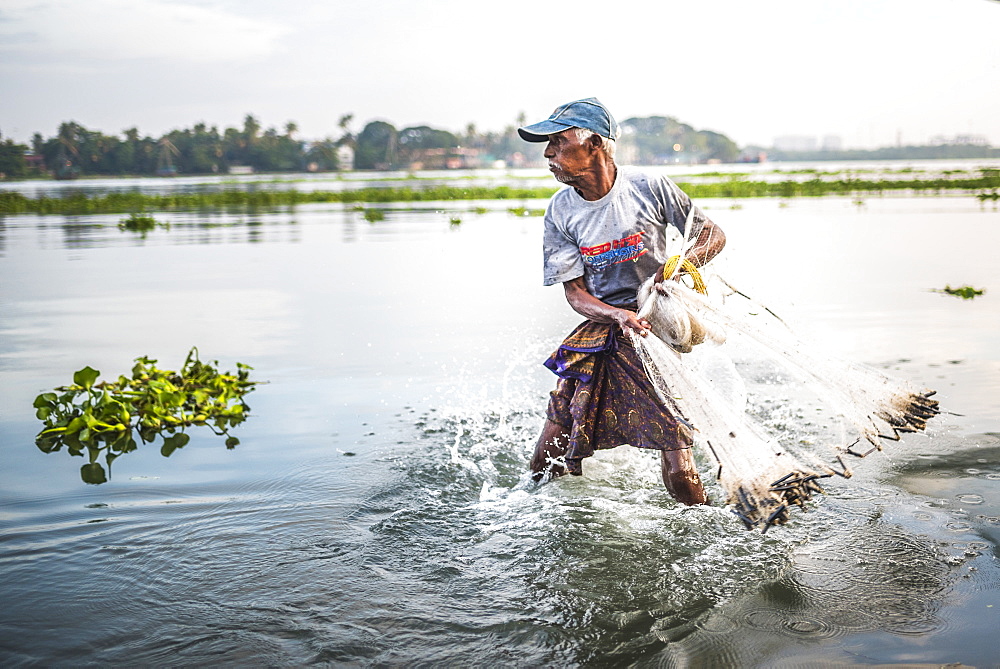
[619, 241]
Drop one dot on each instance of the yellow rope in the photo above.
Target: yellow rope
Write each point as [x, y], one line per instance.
[686, 265]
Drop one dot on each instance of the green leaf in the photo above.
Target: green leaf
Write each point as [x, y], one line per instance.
[171, 444]
[45, 400]
[75, 425]
[86, 377]
[48, 443]
[232, 442]
[93, 474]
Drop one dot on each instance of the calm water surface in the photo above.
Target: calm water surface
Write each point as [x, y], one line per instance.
[376, 511]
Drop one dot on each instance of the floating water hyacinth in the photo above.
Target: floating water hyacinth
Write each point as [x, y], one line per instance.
[965, 292]
[140, 223]
[105, 417]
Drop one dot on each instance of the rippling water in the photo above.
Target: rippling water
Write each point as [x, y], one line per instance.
[376, 511]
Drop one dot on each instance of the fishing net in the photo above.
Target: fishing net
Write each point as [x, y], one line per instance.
[689, 364]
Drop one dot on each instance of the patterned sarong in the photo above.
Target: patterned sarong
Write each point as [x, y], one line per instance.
[604, 399]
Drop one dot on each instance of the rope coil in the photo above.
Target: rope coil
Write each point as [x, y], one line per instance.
[670, 268]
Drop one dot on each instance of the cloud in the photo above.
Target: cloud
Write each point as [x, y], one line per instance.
[134, 29]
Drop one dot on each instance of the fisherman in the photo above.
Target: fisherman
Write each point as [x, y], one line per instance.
[604, 235]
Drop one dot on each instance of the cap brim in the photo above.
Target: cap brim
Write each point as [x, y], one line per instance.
[540, 132]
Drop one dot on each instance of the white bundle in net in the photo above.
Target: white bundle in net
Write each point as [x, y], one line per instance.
[677, 321]
[761, 478]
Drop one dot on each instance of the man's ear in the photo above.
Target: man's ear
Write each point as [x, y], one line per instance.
[595, 141]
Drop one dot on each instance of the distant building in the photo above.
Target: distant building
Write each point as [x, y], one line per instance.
[832, 143]
[35, 162]
[960, 140]
[752, 155]
[795, 143]
[457, 158]
[345, 157]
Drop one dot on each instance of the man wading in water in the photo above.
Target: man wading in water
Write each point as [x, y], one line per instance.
[604, 236]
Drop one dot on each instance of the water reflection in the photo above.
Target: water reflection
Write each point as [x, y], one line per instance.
[93, 231]
[964, 483]
[111, 447]
[97, 231]
[875, 578]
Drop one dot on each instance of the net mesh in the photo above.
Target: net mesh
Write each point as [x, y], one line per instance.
[763, 478]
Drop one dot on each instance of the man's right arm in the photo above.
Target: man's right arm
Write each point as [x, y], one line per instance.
[594, 309]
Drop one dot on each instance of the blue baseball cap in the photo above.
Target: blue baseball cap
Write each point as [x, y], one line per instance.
[588, 113]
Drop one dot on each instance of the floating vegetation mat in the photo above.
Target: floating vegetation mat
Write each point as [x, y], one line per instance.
[964, 292]
[984, 186]
[89, 418]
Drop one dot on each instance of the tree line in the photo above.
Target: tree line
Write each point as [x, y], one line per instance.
[78, 151]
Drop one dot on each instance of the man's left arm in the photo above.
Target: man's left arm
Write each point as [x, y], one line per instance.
[710, 242]
[676, 207]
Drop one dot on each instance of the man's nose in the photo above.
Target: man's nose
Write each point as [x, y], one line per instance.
[549, 151]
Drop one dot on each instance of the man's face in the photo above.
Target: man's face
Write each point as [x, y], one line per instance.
[568, 157]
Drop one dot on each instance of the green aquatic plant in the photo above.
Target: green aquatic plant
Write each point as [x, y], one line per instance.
[90, 417]
[12, 202]
[965, 292]
[140, 223]
[525, 211]
[374, 215]
[722, 175]
[81, 203]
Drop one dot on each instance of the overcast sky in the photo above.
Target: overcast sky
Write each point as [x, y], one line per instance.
[871, 71]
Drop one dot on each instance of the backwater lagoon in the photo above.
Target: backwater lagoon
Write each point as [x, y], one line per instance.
[376, 510]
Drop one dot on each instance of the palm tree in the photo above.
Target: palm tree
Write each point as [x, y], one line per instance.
[69, 140]
[346, 137]
[165, 164]
[251, 127]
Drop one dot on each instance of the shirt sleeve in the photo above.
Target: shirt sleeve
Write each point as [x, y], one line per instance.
[676, 205]
[562, 259]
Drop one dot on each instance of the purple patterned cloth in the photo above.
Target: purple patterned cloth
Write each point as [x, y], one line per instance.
[604, 399]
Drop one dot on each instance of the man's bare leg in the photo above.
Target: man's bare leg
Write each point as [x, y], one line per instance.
[681, 477]
[552, 443]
